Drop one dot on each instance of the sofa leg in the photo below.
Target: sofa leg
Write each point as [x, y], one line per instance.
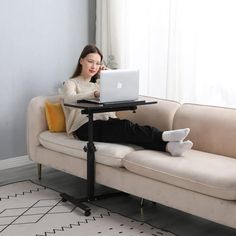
[142, 202]
[39, 171]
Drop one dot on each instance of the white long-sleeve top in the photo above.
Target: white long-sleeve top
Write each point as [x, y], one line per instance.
[77, 89]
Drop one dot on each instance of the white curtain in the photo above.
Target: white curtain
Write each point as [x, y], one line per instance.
[185, 49]
[109, 25]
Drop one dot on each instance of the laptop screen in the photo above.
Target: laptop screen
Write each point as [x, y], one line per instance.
[119, 85]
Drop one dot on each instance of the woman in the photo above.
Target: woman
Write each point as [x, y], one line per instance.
[107, 127]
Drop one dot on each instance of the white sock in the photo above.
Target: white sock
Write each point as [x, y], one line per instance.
[175, 135]
[178, 148]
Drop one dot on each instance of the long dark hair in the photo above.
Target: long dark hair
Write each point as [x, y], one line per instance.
[90, 48]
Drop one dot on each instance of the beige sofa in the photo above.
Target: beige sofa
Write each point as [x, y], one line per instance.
[202, 182]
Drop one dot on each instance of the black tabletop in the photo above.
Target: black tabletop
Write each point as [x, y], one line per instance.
[104, 107]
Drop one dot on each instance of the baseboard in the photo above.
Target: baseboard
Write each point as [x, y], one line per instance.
[14, 162]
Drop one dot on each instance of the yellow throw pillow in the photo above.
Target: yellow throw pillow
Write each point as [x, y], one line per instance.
[55, 117]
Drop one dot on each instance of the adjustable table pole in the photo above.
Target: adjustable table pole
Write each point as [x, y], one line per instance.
[90, 159]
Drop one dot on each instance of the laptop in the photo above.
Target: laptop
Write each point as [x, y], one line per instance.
[120, 85]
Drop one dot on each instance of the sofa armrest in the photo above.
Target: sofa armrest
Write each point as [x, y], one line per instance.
[36, 121]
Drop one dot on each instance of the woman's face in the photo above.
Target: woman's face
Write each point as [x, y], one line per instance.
[90, 65]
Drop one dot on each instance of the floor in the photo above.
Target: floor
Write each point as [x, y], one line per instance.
[179, 223]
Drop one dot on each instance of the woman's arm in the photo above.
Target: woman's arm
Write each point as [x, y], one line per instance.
[72, 91]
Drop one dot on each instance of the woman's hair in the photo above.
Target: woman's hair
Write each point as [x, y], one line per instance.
[87, 50]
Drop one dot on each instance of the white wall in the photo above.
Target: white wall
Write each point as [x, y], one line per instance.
[40, 42]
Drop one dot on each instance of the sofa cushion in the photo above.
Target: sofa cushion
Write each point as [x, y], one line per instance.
[159, 115]
[55, 117]
[198, 171]
[212, 128]
[109, 154]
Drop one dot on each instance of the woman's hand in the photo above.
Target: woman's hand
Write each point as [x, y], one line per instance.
[103, 67]
[96, 94]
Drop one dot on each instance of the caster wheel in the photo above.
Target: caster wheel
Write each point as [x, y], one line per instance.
[63, 200]
[87, 213]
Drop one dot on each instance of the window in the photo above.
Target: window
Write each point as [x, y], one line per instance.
[185, 49]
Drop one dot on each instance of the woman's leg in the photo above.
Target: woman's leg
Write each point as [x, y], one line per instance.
[124, 131]
[178, 148]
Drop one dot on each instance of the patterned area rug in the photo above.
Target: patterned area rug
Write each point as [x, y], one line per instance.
[30, 209]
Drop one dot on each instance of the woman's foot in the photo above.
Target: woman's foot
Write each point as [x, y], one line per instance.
[175, 135]
[178, 148]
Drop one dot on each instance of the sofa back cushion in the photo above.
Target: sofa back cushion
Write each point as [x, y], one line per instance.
[159, 115]
[213, 129]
